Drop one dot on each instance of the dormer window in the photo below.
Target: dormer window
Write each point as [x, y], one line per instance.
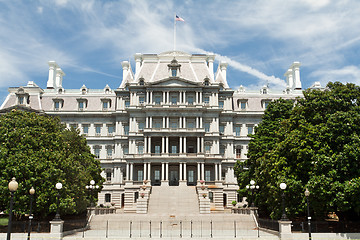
[83, 90]
[58, 104]
[206, 82]
[174, 67]
[106, 104]
[107, 89]
[141, 82]
[82, 104]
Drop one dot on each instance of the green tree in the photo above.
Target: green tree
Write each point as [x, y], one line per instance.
[39, 151]
[316, 147]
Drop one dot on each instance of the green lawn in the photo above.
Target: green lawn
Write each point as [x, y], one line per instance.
[3, 221]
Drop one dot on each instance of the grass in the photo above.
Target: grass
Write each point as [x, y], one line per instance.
[4, 221]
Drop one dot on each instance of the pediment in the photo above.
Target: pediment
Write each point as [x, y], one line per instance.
[175, 82]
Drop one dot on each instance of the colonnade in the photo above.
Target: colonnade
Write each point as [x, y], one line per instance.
[182, 171]
[165, 144]
[180, 120]
[181, 94]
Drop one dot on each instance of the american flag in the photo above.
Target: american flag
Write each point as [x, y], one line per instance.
[177, 18]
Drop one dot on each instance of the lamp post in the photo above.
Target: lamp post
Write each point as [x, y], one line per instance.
[57, 216]
[32, 192]
[307, 194]
[252, 187]
[13, 186]
[91, 187]
[283, 187]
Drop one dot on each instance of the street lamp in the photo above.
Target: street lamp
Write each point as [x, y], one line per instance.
[283, 187]
[13, 186]
[252, 187]
[57, 216]
[307, 194]
[32, 192]
[91, 187]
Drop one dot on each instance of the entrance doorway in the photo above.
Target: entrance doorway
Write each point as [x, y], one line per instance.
[174, 178]
[191, 177]
[156, 175]
[224, 199]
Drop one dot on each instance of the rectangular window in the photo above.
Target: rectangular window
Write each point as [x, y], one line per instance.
[126, 150]
[221, 104]
[157, 175]
[57, 105]
[157, 149]
[97, 152]
[222, 150]
[157, 100]
[126, 129]
[108, 176]
[173, 72]
[207, 149]
[81, 105]
[21, 100]
[266, 104]
[173, 125]
[141, 100]
[74, 126]
[221, 129]
[243, 105]
[140, 149]
[190, 100]
[206, 100]
[157, 125]
[250, 129]
[174, 100]
[109, 152]
[86, 129]
[207, 127]
[140, 175]
[98, 130]
[190, 125]
[238, 153]
[110, 129]
[108, 196]
[237, 130]
[127, 103]
[173, 149]
[141, 126]
[207, 175]
[105, 105]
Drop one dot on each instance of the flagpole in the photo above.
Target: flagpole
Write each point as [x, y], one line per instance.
[174, 33]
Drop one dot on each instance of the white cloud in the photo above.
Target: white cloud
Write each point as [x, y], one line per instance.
[40, 10]
[346, 74]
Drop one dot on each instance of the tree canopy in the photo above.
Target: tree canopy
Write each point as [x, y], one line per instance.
[312, 144]
[39, 152]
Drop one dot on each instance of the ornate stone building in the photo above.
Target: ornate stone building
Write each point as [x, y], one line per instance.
[171, 122]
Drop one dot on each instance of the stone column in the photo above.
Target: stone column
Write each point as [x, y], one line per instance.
[220, 172]
[127, 172]
[151, 95]
[181, 173]
[149, 172]
[180, 122]
[168, 97]
[185, 171]
[180, 145]
[163, 95]
[198, 145]
[162, 171]
[202, 171]
[167, 122]
[150, 122]
[198, 172]
[185, 145]
[167, 145]
[202, 145]
[216, 172]
[131, 171]
[164, 122]
[149, 148]
[162, 144]
[144, 176]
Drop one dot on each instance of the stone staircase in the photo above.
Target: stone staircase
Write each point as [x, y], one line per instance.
[173, 200]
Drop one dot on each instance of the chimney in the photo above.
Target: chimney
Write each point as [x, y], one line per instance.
[211, 66]
[289, 78]
[59, 77]
[125, 65]
[296, 73]
[51, 79]
[223, 66]
[138, 58]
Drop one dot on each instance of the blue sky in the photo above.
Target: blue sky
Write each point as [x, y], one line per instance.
[259, 39]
